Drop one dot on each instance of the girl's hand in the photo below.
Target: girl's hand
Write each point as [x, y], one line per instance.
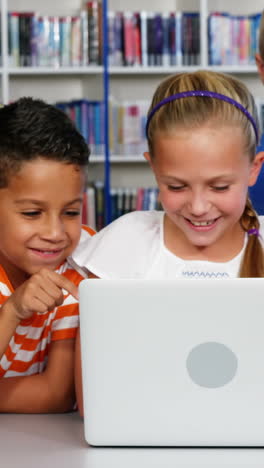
[40, 293]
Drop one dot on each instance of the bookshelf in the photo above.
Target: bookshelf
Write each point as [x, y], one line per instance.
[126, 83]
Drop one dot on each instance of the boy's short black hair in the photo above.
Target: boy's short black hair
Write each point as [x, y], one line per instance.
[31, 128]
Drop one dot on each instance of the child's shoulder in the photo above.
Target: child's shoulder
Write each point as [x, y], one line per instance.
[88, 230]
[124, 247]
[137, 220]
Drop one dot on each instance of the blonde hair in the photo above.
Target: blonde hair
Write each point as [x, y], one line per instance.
[261, 37]
[194, 112]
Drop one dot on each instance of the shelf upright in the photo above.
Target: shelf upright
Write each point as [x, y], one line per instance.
[203, 33]
[107, 167]
[4, 36]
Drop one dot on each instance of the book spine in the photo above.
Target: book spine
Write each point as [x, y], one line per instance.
[13, 26]
[179, 58]
[91, 130]
[129, 53]
[76, 41]
[119, 39]
[144, 39]
[137, 39]
[65, 41]
[111, 37]
[84, 38]
[22, 48]
[151, 39]
[28, 36]
[99, 204]
[43, 41]
[84, 119]
[196, 48]
[93, 32]
[159, 39]
[172, 39]
[91, 216]
[165, 51]
[84, 209]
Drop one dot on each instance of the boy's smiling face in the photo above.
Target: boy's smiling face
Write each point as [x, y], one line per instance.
[40, 217]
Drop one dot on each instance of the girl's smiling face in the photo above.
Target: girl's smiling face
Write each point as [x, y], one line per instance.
[40, 217]
[203, 176]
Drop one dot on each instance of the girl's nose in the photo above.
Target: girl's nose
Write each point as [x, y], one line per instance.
[199, 205]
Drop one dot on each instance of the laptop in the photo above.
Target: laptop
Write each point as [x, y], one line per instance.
[173, 363]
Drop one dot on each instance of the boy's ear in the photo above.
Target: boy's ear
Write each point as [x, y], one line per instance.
[260, 66]
[256, 168]
[147, 157]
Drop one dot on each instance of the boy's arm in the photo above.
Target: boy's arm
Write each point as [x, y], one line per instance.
[49, 392]
[40, 293]
[8, 324]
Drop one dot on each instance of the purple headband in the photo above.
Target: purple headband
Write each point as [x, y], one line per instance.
[210, 94]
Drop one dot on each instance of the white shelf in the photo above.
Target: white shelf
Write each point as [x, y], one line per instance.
[97, 70]
[92, 70]
[248, 69]
[148, 70]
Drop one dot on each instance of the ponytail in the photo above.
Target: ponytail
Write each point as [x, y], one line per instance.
[252, 265]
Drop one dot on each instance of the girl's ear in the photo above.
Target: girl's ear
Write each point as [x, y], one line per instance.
[256, 168]
[260, 66]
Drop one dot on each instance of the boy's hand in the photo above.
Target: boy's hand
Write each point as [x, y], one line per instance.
[40, 293]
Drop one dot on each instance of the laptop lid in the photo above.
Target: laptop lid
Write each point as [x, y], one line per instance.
[173, 363]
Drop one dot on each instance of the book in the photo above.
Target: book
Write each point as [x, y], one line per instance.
[65, 23]
[13, 38]
[93, 32]
[129, 44]
[76, 46]
[91, 216]
[144, 39]
[84, 37]
[99, 204]
[54, 42]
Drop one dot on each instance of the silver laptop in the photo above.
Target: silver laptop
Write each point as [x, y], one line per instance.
[173, 363]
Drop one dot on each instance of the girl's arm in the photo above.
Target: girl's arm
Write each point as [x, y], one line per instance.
[78, 374]
[49, 392]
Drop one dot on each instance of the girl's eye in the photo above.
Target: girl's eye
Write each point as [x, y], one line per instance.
[175, 188]
[221, 188]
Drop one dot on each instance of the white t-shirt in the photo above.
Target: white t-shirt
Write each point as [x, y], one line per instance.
[133, 247]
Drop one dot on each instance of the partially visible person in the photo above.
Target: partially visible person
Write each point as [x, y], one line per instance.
[260, 55]
[43, 164]
[257, 191]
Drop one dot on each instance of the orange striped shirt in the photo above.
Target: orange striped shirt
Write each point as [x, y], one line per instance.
[27, 351]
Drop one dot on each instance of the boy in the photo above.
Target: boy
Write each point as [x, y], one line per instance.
[43, 163]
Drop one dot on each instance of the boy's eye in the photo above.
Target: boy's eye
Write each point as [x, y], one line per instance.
[30, 214]
[73, 213]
